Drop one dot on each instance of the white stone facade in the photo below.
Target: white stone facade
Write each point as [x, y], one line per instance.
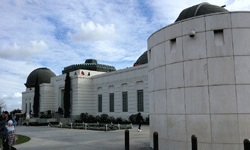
[200, 85]
[85, 90]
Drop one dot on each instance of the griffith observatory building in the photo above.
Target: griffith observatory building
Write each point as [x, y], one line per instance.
[95, 89]
[194, 79]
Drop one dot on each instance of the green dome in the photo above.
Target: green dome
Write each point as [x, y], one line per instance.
[143, 59]
[200, 9]
[43, 75]
[91, 61]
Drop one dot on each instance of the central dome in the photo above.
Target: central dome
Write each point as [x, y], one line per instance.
[42, 74]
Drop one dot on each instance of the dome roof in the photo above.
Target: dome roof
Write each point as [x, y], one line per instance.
[200, 9]
[92, 61]
[43, 75]
[143, 59]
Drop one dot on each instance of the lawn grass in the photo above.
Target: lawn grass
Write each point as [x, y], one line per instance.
[21, 139]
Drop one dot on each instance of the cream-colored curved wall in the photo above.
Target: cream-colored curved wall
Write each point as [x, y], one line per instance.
[201, 85]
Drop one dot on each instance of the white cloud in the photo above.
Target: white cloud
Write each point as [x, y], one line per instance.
[94, 32]
[23, 52]
[13, 75]
[11, 105]
[242, 5]
[115, 32]
[13, 96]
[166, 12]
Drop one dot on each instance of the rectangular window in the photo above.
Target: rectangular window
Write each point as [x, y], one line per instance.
[173, 46]
[149, 54]
[62, 99]
[100, 103]
[111, 102]
[30, 107]
[125, 101]
[140, 107]
[218, 38]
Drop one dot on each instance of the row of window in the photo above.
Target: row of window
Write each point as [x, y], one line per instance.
[140, 107]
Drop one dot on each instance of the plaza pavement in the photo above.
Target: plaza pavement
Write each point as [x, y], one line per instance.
[48, 138]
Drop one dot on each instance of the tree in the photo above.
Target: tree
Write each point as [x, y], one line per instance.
[67, 96]
[36, 99]
[15, 111]
[2, 105]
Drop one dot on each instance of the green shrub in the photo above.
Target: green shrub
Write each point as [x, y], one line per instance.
[112, 119]
[46, 116]
[91, 119]
[49, 112]
[147, 119]
[118, 120]
[54, 123]
[33, 123]
[125, 121]
[78, 121]
[104, 118]
[98, 118]
[84, 117]
[132, 118]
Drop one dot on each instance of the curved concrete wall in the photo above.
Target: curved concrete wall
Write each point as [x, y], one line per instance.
[201, 85]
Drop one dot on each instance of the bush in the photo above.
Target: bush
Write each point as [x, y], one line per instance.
[91, 119]
[132, 118]
[37, 124]
[125, 121]
[33, 123]
[84, 117]
[49, 112]
[112, 119]
[60, 110]
[54, 123]
[104, 118]
[46, 116]
[78, 121]
[147, 119]
[98, 118]
[118, 120]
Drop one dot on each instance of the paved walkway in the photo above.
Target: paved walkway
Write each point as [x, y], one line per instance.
[47, 138]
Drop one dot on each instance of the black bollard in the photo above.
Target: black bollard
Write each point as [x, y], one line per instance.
[155, 138]
[194, 142]
[246, 144]
[127, 139]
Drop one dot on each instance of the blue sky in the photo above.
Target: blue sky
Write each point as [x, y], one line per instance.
[56, 34]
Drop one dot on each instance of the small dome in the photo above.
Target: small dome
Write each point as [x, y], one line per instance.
[43, 75]
[143, 59]
[200, 9]
[92, 61]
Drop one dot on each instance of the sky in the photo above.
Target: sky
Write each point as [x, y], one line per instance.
[56, 34]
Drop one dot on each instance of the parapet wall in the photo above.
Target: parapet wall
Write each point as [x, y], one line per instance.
[201, 85]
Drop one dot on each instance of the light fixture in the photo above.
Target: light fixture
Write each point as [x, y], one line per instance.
[191, 33]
